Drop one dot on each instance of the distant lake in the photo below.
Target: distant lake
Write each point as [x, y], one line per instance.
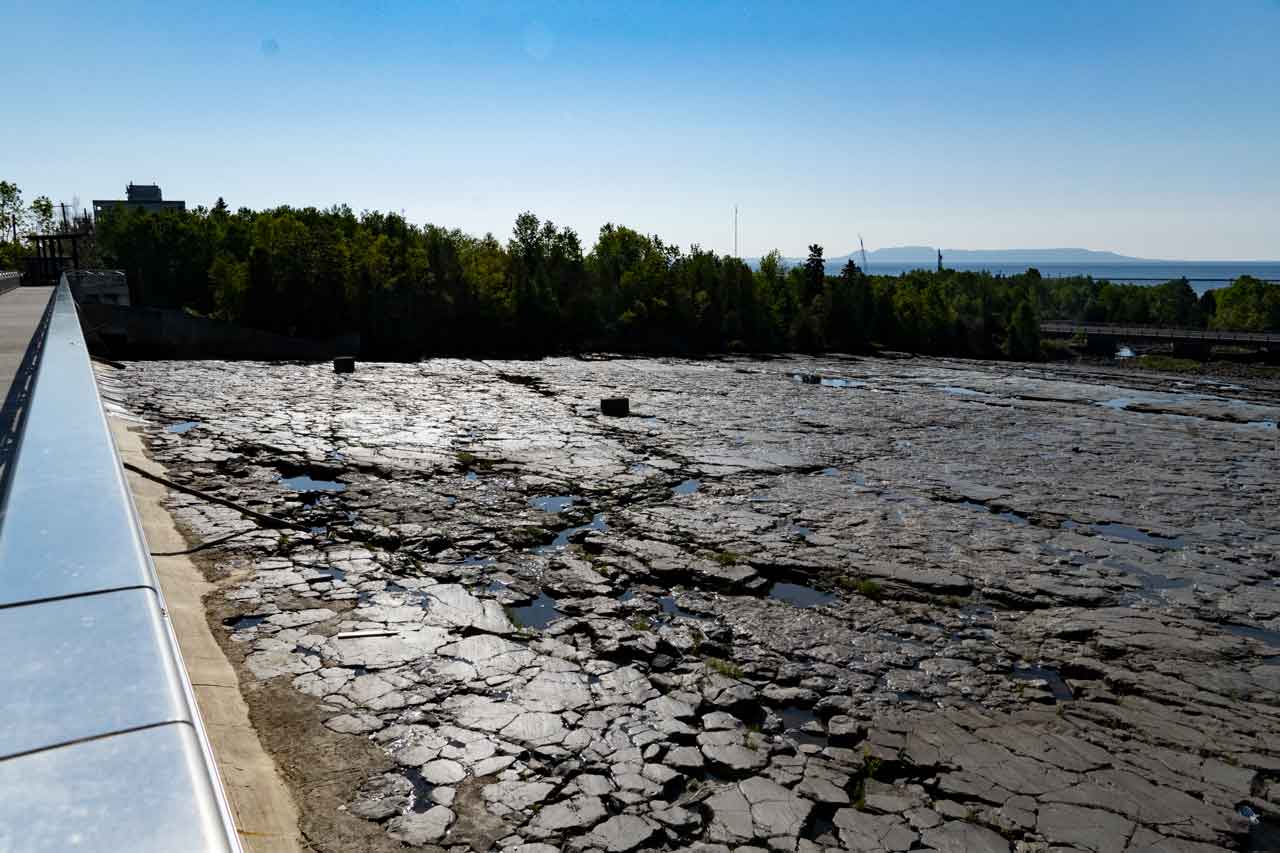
[1203, 275]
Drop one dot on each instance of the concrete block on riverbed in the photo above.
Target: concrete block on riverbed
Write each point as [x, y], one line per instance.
[615, 407]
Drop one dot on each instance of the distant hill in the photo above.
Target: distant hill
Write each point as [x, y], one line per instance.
[927, 256]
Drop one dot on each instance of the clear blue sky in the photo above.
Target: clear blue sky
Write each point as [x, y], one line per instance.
[1148, 128]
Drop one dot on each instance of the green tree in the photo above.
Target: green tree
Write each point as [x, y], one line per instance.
[42, 212]
[1023, 341]
[12, 212]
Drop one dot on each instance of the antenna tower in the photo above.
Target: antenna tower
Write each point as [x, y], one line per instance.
[863, 250]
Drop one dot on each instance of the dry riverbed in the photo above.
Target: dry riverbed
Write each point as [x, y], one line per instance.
[793, 604]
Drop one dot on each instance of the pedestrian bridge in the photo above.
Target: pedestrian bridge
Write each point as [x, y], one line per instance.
[1192, 342]
[102, 746]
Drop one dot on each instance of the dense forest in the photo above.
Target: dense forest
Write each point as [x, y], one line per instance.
[414, 290]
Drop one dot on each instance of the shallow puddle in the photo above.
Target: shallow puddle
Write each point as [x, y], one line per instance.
[536, 614]
[1007, 515]
[688, 487]
[800, 595]
[552, 503]
[794, 719]
[304, 483]
[242, 623]
[564, 536]
[1262, 635]
[669, 606]
[1133, 534]
[1053, 680]
[182, 426]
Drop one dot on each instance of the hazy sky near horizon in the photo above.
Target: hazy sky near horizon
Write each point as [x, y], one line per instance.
[1147, 128]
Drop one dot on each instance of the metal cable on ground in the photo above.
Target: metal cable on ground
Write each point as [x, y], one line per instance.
[204, 545]
[266, 520]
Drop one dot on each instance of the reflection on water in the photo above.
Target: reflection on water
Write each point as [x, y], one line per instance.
[553, 503]
[305, 483]
[800, 595]
[536, 614]
[688, 487]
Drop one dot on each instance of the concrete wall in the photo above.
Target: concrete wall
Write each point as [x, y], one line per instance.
[116, 331]
[9, 280]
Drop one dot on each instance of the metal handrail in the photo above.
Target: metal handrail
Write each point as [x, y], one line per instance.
[9, 280]
[1115, 329]
[102, 746]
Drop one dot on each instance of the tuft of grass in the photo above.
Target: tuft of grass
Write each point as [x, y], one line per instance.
[726, 558]
[862, 586]
[640, 624]
[724, 667]
[869, 589]
[465, 458]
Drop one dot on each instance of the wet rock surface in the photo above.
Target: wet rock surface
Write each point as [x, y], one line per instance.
[924, 605]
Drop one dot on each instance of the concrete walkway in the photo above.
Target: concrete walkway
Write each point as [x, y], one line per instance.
[264, 811]
[20, 313]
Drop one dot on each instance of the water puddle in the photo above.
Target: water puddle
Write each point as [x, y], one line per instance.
[305, 483]
[477, 560]
[1008, 515]
[837, 382]
[421, 790]
[800, 595]
[688, 487]
[1262, 635]
[1119, 404]
[537, 614]
[1124, 352]
[1133, 534]
[565, 536]
[182, 426]
[243, 623]
[794, 719]
[552, 503]
[669, 607]
[471, 475]
[960, 391]
[1052, 679]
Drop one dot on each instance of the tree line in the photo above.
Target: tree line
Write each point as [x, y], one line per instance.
[1246, 304]
[420, 290]
[414, 291]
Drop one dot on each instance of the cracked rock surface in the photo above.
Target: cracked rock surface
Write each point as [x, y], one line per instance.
[796, 604]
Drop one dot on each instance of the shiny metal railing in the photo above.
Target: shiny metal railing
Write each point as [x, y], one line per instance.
[101, 743]
[9, 280]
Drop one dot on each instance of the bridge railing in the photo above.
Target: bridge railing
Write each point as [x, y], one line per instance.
[101, 743]
[9, 280]
[1159, 333]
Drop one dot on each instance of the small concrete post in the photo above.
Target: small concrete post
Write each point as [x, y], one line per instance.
[344, 364]
[615, 407]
